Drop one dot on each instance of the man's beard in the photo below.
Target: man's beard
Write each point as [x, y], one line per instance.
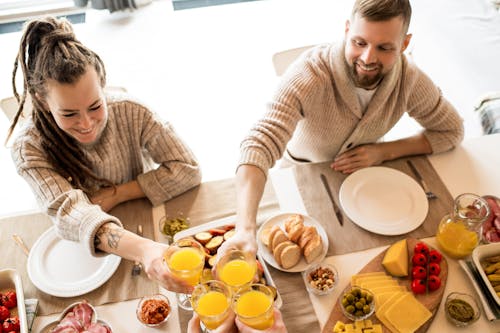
[366, 81]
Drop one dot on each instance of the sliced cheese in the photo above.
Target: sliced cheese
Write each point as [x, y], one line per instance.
[376, 284]
[354, 278]
[380, 312]
[385, 289]
[396, 259]
[359, 281]
[407, 314]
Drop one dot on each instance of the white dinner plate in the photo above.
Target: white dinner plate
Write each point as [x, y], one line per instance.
[383, 200]
[64, 268]
[280, 219]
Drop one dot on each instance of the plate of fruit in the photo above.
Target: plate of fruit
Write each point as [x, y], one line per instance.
[405, 282]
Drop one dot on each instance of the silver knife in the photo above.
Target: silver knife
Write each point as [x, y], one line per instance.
[336, 209]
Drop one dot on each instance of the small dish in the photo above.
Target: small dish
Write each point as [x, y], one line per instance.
[352, 297]
[320, 279]
[479, 256]
[153, 311]
[461, 309]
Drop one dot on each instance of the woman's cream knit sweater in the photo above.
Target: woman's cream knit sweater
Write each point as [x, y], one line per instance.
[134, 139]
[316, 114]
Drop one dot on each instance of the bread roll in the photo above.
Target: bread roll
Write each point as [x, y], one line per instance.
[279, 249]
[279, 237]
[313, 248]
[290, 256]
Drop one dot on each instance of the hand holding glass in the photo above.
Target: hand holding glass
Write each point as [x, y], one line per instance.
[211, 300]
[253, 305]
[237, 269]
[185, 258]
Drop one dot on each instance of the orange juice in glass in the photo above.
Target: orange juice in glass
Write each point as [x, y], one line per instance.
[211, 301]
[237, 269]
[253, 305]
[185, 258]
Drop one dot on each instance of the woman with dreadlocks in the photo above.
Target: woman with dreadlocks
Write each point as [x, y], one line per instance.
[83, 151]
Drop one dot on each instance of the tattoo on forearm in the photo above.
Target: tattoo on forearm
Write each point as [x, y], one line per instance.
[112, 236]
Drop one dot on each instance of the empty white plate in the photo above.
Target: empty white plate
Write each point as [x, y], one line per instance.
[383, 200]
[64, 268]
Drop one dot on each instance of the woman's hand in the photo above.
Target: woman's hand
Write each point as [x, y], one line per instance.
[228, 326]
[157, 270]
[358, 158]
[244, 241]
[278, 326]
[106, 197]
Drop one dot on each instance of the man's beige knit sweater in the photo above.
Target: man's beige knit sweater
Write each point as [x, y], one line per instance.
[134, 139]
[316, 114]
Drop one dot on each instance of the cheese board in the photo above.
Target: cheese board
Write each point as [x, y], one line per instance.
[429, 299]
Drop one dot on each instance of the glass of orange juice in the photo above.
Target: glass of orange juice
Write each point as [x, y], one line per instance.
[185, 258]
[211, 300]
[236, 268]
[253, 305]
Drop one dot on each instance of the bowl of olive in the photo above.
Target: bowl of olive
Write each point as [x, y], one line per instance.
[357, 303]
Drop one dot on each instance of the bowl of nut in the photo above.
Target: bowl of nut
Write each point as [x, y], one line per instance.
[358, 303]
[153, 310]
[320, 279]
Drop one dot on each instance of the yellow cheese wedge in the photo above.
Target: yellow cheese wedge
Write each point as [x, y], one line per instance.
[396, 259]
[407, 314]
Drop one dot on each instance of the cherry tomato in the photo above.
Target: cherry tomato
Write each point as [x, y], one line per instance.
[421, 248]
[434, 282]
[11, 324]
[419, 259]
[418, 286]
[418, 272]
[9, 299]
[434, 268]
[435, 256]
[4, 313]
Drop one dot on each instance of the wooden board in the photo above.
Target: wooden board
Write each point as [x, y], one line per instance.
[430, 300]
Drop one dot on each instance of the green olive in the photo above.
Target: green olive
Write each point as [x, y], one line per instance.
[350, 309]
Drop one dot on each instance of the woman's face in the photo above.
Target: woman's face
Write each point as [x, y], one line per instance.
[79, 109]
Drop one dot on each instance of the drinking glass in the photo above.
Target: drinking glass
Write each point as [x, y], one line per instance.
[237, 269]
[211, 300]
[185, 258]
[253, 305]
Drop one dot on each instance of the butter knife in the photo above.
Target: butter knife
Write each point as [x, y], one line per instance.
[137, 268]
[336, 208]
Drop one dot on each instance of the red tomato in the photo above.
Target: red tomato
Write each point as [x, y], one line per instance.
[4, 313]
[434, 268]
[9, 299]
[419, 259]
[435, 256]
[418, 272]
[11, 324]
[434, 282]
[418, 286]
[421, 248]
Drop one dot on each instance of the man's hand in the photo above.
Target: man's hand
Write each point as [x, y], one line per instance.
[278, 326]
[228, 326]
[358, 158]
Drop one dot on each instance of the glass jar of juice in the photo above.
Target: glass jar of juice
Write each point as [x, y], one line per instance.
[460, 232]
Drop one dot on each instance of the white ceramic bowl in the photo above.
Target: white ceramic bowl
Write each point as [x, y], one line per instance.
[481, 253]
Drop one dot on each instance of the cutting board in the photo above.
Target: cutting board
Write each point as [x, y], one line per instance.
[430, 300]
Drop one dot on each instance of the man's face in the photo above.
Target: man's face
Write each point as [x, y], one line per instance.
[372, 48]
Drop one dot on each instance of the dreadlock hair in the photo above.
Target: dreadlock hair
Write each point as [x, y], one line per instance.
[49, 50]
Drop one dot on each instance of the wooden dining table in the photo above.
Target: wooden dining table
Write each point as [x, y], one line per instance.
[471, 167]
